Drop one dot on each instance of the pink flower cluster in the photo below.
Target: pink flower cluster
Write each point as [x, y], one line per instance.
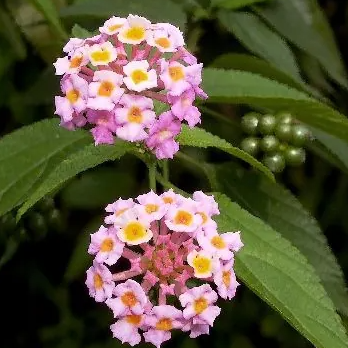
[166, 240]
[112, 81]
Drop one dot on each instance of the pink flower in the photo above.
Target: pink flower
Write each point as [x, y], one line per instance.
[130, 299]
[196, 329]
[105, 91]
[161, 320]
[117, 208]
[183, 109]
[161, 136]
[174, 77]
[105, 246]
[216, 244]
[99, 282]
[165, 37]
[203, 263]
[170, 197]
[208, 202]
[151, 206]
[126, 329]
[75, 90]
[113, 25]
[73, 44]
[233, 240]
[103, 132]
[139, 77]
[134, 116]
[226, 281]
[73, 64]
[198, 303]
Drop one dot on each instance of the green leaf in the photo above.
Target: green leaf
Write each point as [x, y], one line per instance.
[283, 212]
[29, 154]
[198, 137]
[233, 86]
[246, 62]
[80, 32]
[278, 273]
[261, 40]
[89, 157]
[234, 4]
[11, 31]
[49, 11]
[154, 10]
[293, 20]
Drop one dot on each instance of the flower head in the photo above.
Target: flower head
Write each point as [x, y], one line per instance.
[167, 247]
[106, 79]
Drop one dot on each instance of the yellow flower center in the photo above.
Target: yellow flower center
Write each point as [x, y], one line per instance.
[200, 305]
[98, 281]
[133, 319]
[168, 200]
[135, 33]
[226, 278]
[139, 76]
[164, 324]
[218, 242]
[106, 88]
[202, 264]
[176, 73]
[107, 245]
[204, 217]
[101, 56]
[76, 62]
[151, 208]
[114, 27]
[183, 218]
[134, 231]
[129, 299]
[135, 115]
[163, 42]
[73, 96]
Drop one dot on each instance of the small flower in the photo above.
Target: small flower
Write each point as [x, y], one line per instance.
[151, 206]
[161, 320]
[105, 126]
[102, 54]
[132, 231]
[134, 30]
[130, 299]
[105, 91]
[139, 77]
[198, 303]
[105, 246]
[117, 208]
[99, 282]
[133, 117]
[73, 44]
[113, 25]
[173, 76]
[234, 241]
[127, 328]
[75, 89]
[170, 197]
[207, 201]
[161, 136]
[226, 282]
[166, 37]
[202, 263]
[73, 64]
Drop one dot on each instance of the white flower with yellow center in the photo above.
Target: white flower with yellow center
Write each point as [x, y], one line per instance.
[73, 64]
[166, 37]
[135, 30]
[131, 230]
[138, 78]
[113, 25]
[102, 54]
[202, 262]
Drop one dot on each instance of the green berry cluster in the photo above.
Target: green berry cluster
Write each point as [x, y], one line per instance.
[35, 224]
[278, 140]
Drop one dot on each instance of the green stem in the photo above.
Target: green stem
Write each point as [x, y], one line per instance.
[165, 170]
[168, 185]
[217, 115]
[152, 175]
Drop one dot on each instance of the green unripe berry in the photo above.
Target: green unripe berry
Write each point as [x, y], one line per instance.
[7, 223]
[37, 225]
[275, 162]
[267, 124]
[282, 147]
[55, 220]
[299, 135]
[269, 143]
[250, 145]
[295, 156]
[284, 117]
[283, 131]
[250, 122]
[46, 204]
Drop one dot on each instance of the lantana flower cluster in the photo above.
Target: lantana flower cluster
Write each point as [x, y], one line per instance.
[111, 81]
[160, 265]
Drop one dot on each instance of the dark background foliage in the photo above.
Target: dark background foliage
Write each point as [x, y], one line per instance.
[44, 302]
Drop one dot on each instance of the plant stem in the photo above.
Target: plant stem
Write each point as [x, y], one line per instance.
[165, 170]
[168, 185]
[152, 175]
